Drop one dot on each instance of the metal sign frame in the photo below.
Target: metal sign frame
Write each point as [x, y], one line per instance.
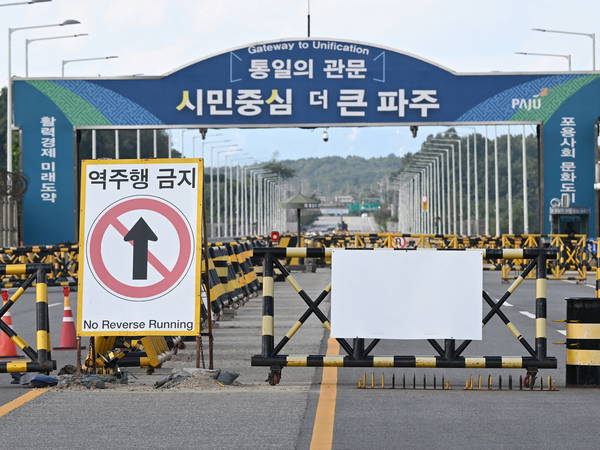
[196, 255]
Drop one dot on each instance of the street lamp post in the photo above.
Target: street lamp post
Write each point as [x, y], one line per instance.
[486, 186]
[257, 197]
[475, 178]
[417, 194]
[424, 189]
[460, 196]
[212, 182]
[592, 36]
[269, 202]
[69, 61]
[226, 153]
[525, 206]
[509, 180]
[451, 147]
[432, 165]
[9, 111]
[496, 183]
[556, 55]
[445, 187]
[240, 192]
[230, 220]
[50, 38]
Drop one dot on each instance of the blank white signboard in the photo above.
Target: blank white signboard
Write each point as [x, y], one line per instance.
[417, 294]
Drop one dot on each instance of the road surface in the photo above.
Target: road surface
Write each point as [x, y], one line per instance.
[283, 416]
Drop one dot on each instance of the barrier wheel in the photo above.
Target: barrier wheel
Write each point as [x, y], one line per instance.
[274, 377]
[529, 380]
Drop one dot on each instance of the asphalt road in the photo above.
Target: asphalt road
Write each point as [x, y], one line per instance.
[387, 419]
[284, 416]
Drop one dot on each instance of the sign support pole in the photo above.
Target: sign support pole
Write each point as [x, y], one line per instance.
[208, 301]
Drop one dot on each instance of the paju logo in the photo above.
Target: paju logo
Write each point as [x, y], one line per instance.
[528, 104]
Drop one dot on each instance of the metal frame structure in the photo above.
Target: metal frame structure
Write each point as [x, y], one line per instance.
[358, 354]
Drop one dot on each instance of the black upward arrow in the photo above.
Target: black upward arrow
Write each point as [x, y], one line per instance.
[140, 234]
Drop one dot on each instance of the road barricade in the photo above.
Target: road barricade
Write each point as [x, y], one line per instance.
[40, 359]
[583, 342]
[571, 263]
[63, 259]
[358, 353]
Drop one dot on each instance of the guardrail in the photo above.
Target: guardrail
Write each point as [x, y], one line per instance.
[358, 354]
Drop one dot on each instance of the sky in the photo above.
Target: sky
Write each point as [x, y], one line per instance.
[152, 37]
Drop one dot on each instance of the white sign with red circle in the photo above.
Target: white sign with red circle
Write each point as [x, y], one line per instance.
[140, 246]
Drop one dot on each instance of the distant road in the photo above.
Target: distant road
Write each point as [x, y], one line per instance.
[355, 223]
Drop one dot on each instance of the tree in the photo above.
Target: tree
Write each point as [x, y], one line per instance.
[279, 168]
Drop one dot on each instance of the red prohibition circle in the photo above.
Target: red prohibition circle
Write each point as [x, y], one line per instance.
[400, 242]
[109, 218]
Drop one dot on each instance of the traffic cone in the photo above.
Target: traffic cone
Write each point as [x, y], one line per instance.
[68, 336]
[8, 349]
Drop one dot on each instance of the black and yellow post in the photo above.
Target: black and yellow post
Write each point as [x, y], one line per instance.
[583, 342]
[268, 342]
[540, 308]
[43, 321]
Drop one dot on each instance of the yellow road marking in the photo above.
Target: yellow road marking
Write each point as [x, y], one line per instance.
[322, 435]
[20, 401]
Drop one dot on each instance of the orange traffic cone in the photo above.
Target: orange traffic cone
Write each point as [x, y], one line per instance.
[68, 336]
[8, 349]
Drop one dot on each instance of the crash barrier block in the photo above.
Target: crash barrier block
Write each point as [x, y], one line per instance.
[583, 342]
[357, 353]
[40, 359]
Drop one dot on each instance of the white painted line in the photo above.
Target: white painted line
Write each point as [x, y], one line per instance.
[570, 281]
[54, 304]
[591, 285]
[527, 314]
[563, 332]
[508, 304]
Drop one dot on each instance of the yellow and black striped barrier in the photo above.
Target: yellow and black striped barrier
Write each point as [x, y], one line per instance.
[449, 355]
[583, 342]
[41, 358]
[63, 259]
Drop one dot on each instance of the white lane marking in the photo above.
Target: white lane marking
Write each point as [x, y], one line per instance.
[570, 281]
[54, 304]
[563, 332]
[508, 304]
[527, 314]
[591, 285]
